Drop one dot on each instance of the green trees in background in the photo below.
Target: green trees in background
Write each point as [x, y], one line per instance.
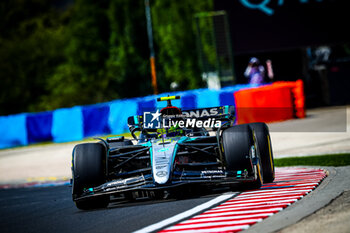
[80, 79]
[176, 40]
[128, 62]
[31, 41]
[59, 54]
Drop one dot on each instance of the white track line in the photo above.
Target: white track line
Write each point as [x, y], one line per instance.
[263, 215]
[268, 194]
[256, 206]
[211, 230]
[253, 204]
[233, 213]
[281, 189]
[214, 224]
[185, 214]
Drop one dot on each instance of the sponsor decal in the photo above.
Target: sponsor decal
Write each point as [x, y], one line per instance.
[165, 149]
[213, 174]
[202, 112]
[161, 173]
[164, 161]
[266, 6]
[116, 183]
[124, 182]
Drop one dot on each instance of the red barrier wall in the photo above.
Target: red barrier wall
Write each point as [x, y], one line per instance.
[297, 89]
[277, 102]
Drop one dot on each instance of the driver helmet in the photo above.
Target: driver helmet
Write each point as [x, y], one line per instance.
[173, 131]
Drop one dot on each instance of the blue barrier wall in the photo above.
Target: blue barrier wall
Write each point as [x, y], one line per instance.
[13, 131]
[67, 124]
[95, 120]
[39, 127]
[72, 124]
[146, 105]
[189, 101]
[119, 111]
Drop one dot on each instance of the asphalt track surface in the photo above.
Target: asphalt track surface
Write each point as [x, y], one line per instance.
[51, 209]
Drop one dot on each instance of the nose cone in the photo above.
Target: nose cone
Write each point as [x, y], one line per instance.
[162, 157]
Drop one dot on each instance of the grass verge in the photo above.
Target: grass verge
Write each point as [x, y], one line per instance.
[335, 160]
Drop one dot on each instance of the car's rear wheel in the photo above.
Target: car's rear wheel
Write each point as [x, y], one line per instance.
[88, 172]
[264, 142]
[241, 152]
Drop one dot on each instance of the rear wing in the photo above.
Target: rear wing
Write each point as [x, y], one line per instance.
[227, 112]
[222, 113]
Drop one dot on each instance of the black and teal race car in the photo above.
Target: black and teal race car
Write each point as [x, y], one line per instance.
[172, 149]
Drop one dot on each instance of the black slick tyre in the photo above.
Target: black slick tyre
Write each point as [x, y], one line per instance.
[88, 172]
[264, 142]
[238, 143]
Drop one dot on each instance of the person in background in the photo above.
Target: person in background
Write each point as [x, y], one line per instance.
[269, 69]
[255, 72]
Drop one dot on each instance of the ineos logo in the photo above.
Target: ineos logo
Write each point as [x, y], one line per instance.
[263, 5]
[161, 173]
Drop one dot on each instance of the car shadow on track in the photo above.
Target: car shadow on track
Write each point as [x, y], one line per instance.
[176, 195]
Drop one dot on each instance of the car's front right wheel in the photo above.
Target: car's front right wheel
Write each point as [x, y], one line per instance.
[264, 142]
[241, 152]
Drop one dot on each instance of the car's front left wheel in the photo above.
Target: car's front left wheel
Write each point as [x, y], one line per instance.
[88, 171]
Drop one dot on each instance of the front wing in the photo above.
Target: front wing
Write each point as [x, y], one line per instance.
[146, 183]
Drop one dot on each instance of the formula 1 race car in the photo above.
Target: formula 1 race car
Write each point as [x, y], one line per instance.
[171, 149]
